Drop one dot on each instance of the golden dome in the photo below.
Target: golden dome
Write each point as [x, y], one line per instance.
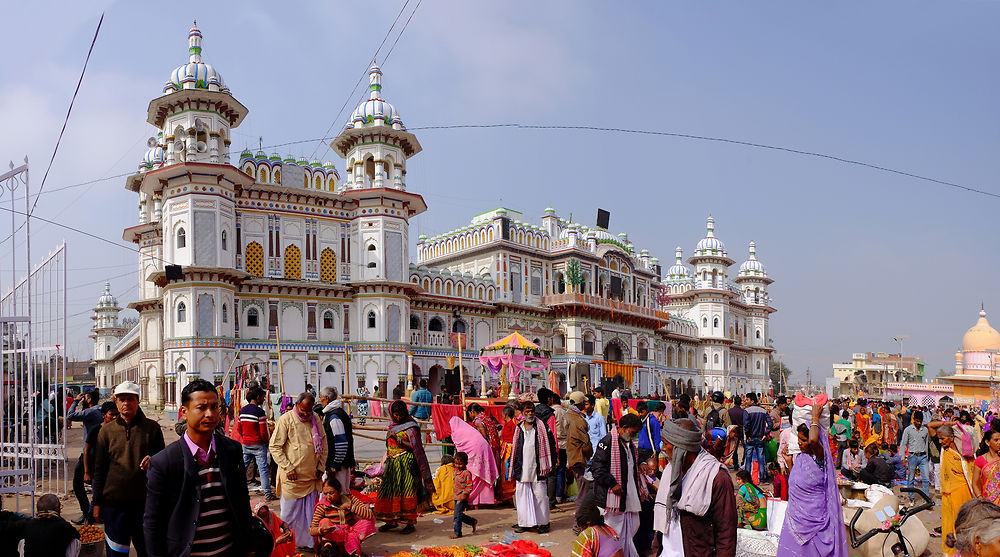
[981, 337]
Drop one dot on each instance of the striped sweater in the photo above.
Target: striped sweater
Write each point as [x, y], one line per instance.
[213, 533]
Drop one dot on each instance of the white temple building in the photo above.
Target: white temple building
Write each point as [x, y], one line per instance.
[282, 262]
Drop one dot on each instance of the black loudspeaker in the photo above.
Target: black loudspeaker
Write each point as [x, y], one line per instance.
[616, 286]
[505, 228]
[602, 218]
[174, 272]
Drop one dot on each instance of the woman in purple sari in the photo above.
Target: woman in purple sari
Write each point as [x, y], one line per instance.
[814, 521]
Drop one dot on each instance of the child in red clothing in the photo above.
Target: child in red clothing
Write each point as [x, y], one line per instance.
[463, 487]
[780, 482]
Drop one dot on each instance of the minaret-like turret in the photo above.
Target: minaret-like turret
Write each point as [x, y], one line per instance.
[710, 260]
[753, 280]
[106, 332]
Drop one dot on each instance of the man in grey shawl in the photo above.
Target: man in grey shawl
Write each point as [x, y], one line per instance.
[695, 508]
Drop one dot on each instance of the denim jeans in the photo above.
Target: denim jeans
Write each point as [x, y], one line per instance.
[258, 453]
[460, 516]
[754, 451]
[912, 462]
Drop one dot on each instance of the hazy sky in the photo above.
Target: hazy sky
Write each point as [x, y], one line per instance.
[858, 256]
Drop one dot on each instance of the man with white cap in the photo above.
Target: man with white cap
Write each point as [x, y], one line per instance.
[695, 508]
[121, 459]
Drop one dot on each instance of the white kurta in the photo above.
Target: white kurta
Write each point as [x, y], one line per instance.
[531, 496]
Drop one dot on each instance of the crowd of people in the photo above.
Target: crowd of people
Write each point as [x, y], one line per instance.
[665, 477]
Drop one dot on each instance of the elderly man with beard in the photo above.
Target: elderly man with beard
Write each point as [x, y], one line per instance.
[533, 458]
[618, 489]
[695, 508]
[298, 447]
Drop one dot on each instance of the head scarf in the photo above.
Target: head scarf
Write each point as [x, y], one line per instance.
[399, 407]
[684, 441]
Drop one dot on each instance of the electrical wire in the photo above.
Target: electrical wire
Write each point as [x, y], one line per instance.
[360, 79]
[83, 72]
[754, 144]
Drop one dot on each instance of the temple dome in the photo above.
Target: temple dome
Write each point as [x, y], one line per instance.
[981, 337]
[195, 74]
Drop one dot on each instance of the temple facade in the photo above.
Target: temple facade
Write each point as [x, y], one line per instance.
[287, 264]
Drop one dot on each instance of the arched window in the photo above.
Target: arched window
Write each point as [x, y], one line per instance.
[319, 182]
[225, 313]
[253, 318]
[371, 265]
[458, 326]
[704, 358]
[181, 312]
[758, 334]
[715, 359]
[277, 176]
[263, 175]
[224, 240]
[371, 319]
[328, 319]
[435, 324]
[181, 238]
[371, 247]
[715, 322]
[758, 364]
[414, 322]
[704, 322]
[181, 369]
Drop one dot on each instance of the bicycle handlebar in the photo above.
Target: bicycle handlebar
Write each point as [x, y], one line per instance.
[857, 542]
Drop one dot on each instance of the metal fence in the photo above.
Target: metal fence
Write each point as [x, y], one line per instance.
[32, 344]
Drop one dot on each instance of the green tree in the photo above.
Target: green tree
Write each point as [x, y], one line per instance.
[574, 276]
[779, 373]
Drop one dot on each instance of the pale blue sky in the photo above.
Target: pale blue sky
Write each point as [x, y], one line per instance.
[858, 256]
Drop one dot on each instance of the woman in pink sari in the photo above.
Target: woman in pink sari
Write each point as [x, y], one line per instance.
[481, 461]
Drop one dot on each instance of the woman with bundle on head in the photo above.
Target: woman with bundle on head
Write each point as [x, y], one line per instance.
[406, 480]
[956, 479]
[814, 522]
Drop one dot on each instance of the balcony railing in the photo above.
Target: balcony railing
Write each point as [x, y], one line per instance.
[437, 339]
[603, 303]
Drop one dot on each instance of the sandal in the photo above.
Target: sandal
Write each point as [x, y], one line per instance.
[408, 530]
[387, 526]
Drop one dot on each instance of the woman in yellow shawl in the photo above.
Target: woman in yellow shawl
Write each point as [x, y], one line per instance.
[956, 480]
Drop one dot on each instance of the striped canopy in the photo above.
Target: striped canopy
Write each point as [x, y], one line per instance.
[514, 340]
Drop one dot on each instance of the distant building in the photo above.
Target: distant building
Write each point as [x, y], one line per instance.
[976, 365]
[870, 372]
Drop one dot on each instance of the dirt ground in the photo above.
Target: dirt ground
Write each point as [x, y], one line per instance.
[495, 523]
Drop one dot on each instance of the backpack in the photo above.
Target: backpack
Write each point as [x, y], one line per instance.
[712, 420]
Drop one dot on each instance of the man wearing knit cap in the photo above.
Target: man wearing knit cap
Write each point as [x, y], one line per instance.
[695, 507]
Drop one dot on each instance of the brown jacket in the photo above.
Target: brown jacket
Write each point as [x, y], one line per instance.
[578, 447]
[120, 449]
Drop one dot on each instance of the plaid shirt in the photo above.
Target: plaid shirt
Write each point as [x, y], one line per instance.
[463, 483]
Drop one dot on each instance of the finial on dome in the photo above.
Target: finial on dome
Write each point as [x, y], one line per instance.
[710, 225]
[374, 81]
[194, 43]
[679, 254]
[753, 250]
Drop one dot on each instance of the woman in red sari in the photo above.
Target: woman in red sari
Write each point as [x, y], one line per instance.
[284, 537]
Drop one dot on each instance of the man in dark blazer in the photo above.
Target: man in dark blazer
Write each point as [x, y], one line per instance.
[197, 500]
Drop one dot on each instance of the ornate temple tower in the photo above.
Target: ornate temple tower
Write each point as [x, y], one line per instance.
[752, 280]
[106, 332]
[186, 234]
[376, 146]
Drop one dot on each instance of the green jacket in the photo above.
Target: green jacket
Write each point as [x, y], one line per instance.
[119, 451]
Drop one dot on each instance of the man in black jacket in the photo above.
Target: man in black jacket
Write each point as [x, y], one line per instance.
[339, 437]
[618, 488]
[197, 501]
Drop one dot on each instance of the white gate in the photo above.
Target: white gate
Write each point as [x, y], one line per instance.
[32, 344]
